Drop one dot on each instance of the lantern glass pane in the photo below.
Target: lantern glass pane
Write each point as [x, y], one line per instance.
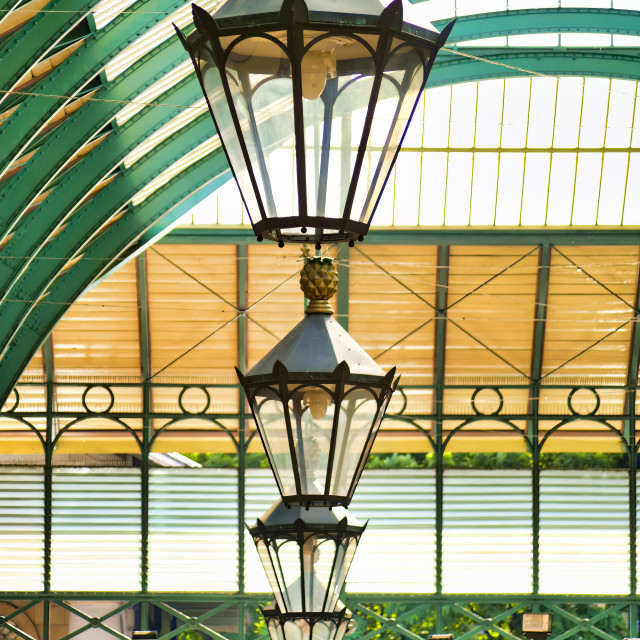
[400, 88]
[215, 93]
[267, 408]
[288, 558]
[275, 573]
[276, 630]
[311, 411]
[337, 80]
[318, 557]
[260, 69]
[354, 434]
[344, 555]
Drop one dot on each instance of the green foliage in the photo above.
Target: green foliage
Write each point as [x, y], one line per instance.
[479, 460]
[583, 461]
[229, 460]
[393, 461]
[455, 621]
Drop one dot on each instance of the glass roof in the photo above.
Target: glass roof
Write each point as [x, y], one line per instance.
[508, 152]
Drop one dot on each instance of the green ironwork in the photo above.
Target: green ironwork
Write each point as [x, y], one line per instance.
[543, 20]
[442, 290]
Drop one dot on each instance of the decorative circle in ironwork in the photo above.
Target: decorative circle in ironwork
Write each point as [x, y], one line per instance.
[94, 622]
[591, 396]
[198, 399]
[487, 403]
[100, 404]
[8, 407]
[192, 623]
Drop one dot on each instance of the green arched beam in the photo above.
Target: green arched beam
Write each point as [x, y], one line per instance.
[528, 21]
[451, 68]
[82, 125]
[34, 40]
[75, 72]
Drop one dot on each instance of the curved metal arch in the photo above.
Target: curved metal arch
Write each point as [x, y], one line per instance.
[118, 421]
[528, 21]
[78, 69]
[417, 427]
[84, 123]
[504, 421]
[34, 40]
[204, 417]
[85, 224]
[627, 447]
[33, 231]
[101, 256]
[453, 69]
[26, 423]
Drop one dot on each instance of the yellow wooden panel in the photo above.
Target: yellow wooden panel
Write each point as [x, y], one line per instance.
[583, 316]
[98, 335]
[192, 310]
[391, 300]
[491, 301]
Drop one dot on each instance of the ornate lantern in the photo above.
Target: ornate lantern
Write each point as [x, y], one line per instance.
[306, 555]
[318, 401]
[311, 105]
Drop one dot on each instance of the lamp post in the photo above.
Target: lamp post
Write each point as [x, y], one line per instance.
[311, 106]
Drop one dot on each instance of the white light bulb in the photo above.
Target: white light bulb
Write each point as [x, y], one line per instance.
[318, 402]
[317, 67]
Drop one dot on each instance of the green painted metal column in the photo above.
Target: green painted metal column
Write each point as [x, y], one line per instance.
[442, 288]
[540, 320]
[242, 281]
[630, 438]
[47, 353]
[147, 427]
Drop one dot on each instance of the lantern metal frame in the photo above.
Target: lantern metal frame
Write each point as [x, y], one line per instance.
[284, 384]
[276, 619]
[294, 17]
[321, 523]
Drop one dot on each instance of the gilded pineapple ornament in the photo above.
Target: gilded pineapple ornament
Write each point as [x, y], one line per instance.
[319, 282]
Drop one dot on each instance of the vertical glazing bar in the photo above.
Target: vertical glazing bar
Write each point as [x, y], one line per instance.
[537, 352]
[630, 435]
[47, 353]
[575, 177]
[343, 286]
[145, 369]
[241, 280]
[442, 287]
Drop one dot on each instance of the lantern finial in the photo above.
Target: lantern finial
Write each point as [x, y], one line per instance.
[319, 282]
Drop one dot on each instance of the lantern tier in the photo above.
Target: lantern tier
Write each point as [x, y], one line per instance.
[306, 554]
[318, 401]
[318, 626]
[311, 104]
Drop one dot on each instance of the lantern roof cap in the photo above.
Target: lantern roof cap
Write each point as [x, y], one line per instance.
[317, 345]
[265, 11]
[281, 516]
